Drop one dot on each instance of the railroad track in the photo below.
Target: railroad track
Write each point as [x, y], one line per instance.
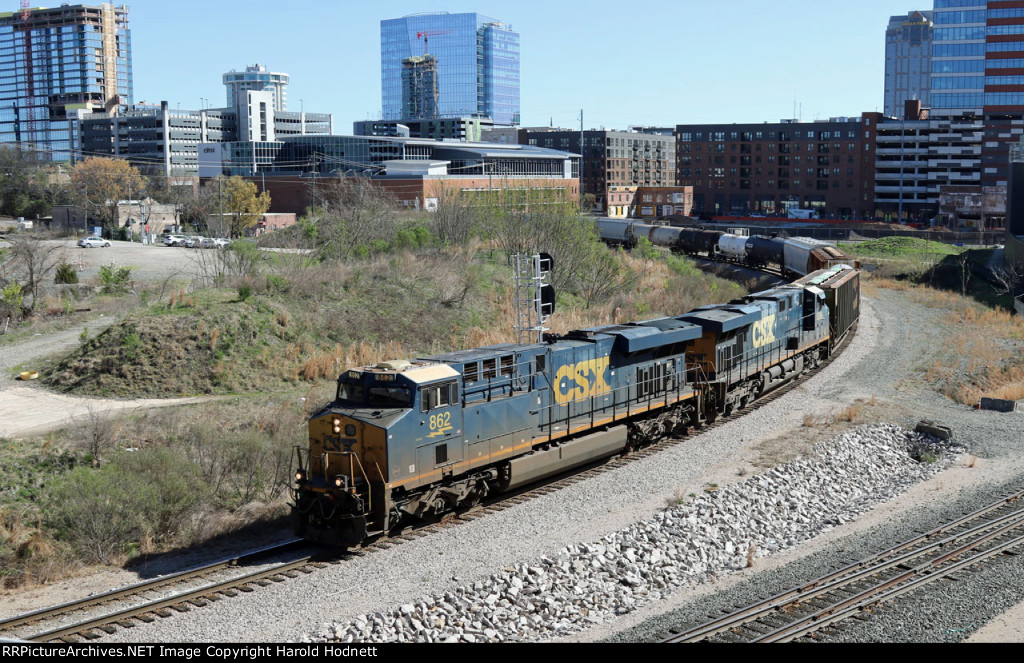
[854, 591]
[90, 618]
[161, 597]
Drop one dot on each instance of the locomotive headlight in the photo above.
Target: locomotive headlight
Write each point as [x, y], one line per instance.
[337, 425]
[300, 476]
[339, 482]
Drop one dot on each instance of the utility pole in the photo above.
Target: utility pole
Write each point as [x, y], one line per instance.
[582, 159]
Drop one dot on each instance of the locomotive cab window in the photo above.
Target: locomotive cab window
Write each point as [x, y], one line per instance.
[438, 396]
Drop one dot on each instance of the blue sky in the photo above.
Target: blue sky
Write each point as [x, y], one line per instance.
[652, 62]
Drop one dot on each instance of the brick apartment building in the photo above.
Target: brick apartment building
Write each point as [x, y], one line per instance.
[742, 169]
[612, 159]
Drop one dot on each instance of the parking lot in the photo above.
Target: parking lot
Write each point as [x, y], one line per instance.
[152, 262]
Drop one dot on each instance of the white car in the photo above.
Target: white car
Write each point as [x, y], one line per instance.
[93, 242]
[174, 240]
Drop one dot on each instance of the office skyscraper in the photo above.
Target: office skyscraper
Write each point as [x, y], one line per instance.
[908, 50]
[257, 79]
[477, 64]
[978, 71]
[419, 88]
[57, 63]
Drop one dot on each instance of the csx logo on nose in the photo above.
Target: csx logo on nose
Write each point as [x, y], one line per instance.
[583, 380]
[764, 332]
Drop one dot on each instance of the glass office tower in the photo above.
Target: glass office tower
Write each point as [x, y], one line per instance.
[908, 53]
[55, 64]
[477, 64]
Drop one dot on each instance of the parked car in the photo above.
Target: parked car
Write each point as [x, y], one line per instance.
[193, 241]
[222, 243]
[208, 243]
[93, 242]
[174, 240]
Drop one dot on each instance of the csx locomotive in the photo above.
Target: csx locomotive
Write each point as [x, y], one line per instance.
[405, 440]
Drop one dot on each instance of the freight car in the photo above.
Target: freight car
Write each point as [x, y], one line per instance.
[406, 440]
[794, 257]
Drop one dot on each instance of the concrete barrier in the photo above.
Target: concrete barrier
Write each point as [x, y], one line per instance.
[999, 405]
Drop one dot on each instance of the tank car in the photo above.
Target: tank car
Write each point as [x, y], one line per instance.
[763, 251]
[696, 241]
[616, 232]
[733, 247]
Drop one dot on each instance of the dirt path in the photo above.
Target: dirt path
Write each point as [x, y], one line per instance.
[27, 409]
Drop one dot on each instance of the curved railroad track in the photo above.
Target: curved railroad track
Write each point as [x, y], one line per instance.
[163, 597]
[854, 591]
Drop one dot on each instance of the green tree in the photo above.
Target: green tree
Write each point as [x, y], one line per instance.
[240, 201]
[101, 183]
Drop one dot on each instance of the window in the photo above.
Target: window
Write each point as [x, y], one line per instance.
[471, 372]
[438, 396]
[490, 369]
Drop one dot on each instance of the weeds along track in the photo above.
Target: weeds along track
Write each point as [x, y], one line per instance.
[163, 597]
[807, 611]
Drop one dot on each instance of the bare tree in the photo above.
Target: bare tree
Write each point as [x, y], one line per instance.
[964, 261]
[1010, 278]
[98, 432]
[354, 214]
[453, 220]
[34, 260]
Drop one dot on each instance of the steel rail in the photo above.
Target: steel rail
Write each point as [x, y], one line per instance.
[862, 569]
[163, 582]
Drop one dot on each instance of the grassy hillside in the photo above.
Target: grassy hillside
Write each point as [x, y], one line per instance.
[900, 247]
[276, 331]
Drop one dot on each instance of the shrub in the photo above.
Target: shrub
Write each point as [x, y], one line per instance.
[66, 274]
[115, 280]
[11, 299]
[140, 497]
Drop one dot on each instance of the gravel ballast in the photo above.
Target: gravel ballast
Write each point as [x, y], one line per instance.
[717, 532]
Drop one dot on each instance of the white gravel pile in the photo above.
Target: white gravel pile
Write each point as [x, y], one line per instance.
[690, 543]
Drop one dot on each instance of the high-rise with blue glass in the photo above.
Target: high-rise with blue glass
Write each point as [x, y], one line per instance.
[978, 72]
[477, 65]
[56, 64]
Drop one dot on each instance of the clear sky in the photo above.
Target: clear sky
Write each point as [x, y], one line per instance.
[624, 62]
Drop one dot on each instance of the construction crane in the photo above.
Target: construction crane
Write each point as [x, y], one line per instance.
[425, 36]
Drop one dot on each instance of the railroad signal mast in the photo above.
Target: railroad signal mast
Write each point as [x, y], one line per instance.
[535, 297]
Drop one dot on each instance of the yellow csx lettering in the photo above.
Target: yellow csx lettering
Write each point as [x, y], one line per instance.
[764, 332]
[583, 380]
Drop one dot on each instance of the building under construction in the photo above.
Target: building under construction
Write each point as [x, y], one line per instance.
[56, 64]
[419, 87]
